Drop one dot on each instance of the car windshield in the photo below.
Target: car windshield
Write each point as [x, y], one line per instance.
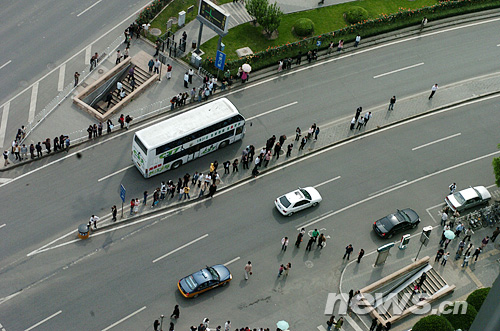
[284, 201]
[402, 216]
[214, 273]
[306, 194]
[386, 223]
[191, 282]
[459, 198]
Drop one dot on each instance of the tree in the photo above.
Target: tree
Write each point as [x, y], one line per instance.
[434, 323]
[257, 9]
[496, 169]
[459, 320]
[272, 20]
[477, 297]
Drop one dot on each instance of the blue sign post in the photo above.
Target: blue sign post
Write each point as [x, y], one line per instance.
[318, 43]
[123, 191]
[220, 60]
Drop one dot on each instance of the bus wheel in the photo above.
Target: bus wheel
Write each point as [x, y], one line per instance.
[176, 164]
[223, 144]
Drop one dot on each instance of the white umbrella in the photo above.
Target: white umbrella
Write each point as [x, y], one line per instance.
[282, 325]
[449, 234]
[246, 67]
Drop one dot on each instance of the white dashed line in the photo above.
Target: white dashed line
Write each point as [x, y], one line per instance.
[179, 248]
[398, 70]
[388, 187]
[326, 182]
[436, 141]
[116, 172]
[272, 110]
[34, 96]
[124, 319]
[232, 261]
[3, 125]
[5, 64]
[1, 226]
[90, 7]
[60, 82]
[43, 321]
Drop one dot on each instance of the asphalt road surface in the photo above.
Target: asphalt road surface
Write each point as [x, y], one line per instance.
[98, 282]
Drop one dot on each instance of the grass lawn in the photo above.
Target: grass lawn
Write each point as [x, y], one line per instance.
[326, 19]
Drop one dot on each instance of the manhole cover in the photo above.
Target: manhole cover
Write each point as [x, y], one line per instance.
[155, 32]
[100, 71]
[309, 264]
[84, 84]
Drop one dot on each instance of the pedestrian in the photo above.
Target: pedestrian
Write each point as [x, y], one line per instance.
[205, 322]
[157, 66]
[77, 76]
[423, 23]
[444, 218]
[193, 94]
[339, 323]
[348, 251]
[6, 158]
[351, 294]
[132, 205]
[280, 270]
[156, 324]
[321, 241]
[186, 192]
[67, 143]
[485, 241]
[132, 84]
[310, 243]
[361, 122]
[360, 254]
[32, 151]
[392, 101]
[211, 190]
[125, 52]
[151, 64]
[113, 213]
[289, 150]
[284, 243]
[227, 326]
[235, 165]
[267, 158]
[316, 133]
[445, 258]
[226, 165]
[302, 143]
[368, 115]
[299, 237]
[176, 313]
[357, 40]
[433, 90]
[315, 234]
[190, 75]
[186, 80]
[340, 46]
[353, 123]
[24, 152]
[93, 221]
[277, 149]
[495, 234]
[297, 134]
[358, 112]
[452, 187]
[468, 233]
[118, 56]
[39, 150]
[422, 279]
[17, 151]
[248, 270]
[157, 48]
[169, 71]
[373, 325]
[439, 254]
[128, 119]
[466, 260]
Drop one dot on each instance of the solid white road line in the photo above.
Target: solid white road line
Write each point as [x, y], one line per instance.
[428, 210]
[272, 110]
[43, 321]
[87, 53]
[34, 96]
[326, 182]
[436, 141]
[1, 226]
[124, 319]
[60, 82]
[354, 324]
[179, 248]
[388, 187]
[3, 124]
[398, 70]
[90, 7]
[233, 260]
[116, 172]
[5, 64]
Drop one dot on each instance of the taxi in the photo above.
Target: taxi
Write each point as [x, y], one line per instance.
[206, 279]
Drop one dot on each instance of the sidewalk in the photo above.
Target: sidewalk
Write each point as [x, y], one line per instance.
[478, 274]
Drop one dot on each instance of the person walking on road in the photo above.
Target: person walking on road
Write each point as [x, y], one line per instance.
[423, 23]
[157, 66]
[113, 213]
[280, 270]
[77, 76]
[353, 123]
[186, 80]
[368, 115]
[118, 57]
[284, 243]
[445, 258]
[339, 323]
[151, 64]
[361, 123]
[321, 241]
[360, 254]
[93, 221]
[433, 90]
[466, 260]
[357, 40]
[358, 112]
[392, 101]
[310, 243]
[176, 313]
[495, 234]
[299, 237]
[248, 270]
[452, 187]
[316, 133]
[348, 251]
[330, 323]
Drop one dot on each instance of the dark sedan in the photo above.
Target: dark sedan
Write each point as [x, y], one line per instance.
[401, 220]
[205, 279]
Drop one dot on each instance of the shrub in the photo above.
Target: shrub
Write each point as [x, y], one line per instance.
[356, 14]
[459, 320]
[434, 323]
[303, 27]
[477, 297]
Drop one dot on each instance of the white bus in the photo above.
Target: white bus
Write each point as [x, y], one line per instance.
[187, 136]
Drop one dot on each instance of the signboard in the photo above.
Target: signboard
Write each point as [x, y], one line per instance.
[318, 43]
[220, 60]
[122, 192]
[213, 14]
[383, 252]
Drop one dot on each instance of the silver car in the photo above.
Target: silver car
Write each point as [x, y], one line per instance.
[468, 198]
[299, 199]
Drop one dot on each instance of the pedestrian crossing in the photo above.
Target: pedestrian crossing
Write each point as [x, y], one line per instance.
[239, 14]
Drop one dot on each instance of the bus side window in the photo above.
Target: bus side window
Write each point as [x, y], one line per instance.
[239, 130]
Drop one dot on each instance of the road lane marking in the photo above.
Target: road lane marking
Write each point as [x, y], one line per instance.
[436, 141]
[271, 111]
[116, 172]
[233, 260]
[179, 248]
[90, 7]
[87, 53]
[388, 187]
[354, 324]
[398, 70]
[124, 319]
[34, 95]
[1, 226]
[60, 82]
[433, 207]
[43, 321]
[5, 64]
[321, 328]
[326, 182]
[3, 125]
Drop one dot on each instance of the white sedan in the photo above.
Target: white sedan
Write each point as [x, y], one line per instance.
[468, 198]
[299, 199]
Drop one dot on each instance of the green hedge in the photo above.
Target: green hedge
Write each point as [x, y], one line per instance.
[477, 297]
[356, 14]
[459, 320]
[303, 27]
[433, 323]
[382, 24]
